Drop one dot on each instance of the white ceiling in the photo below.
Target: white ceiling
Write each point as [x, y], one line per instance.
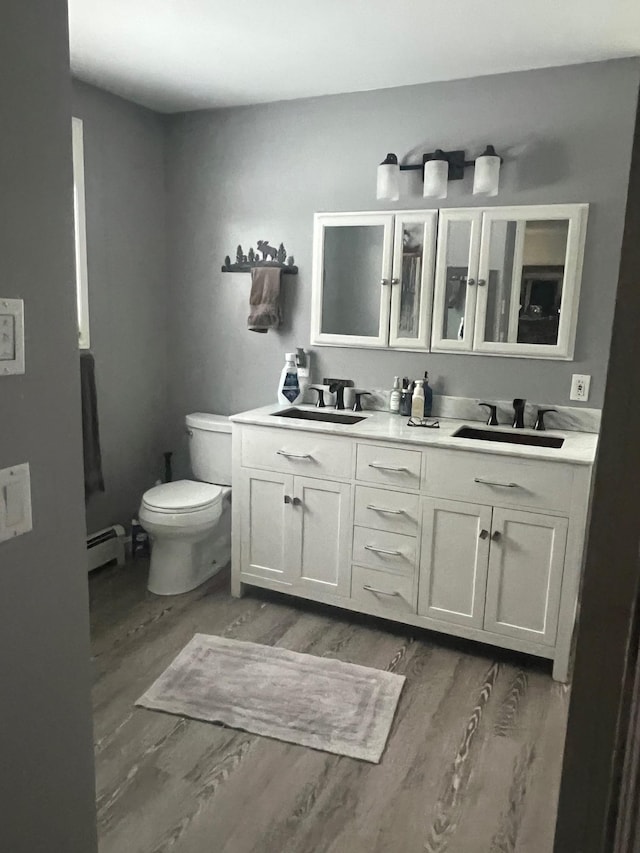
[175, 55]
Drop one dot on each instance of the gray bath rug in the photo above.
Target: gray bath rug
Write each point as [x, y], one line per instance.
[318, 702]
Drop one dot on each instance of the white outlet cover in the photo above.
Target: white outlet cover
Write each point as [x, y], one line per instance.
[580, 385]
[11, 337]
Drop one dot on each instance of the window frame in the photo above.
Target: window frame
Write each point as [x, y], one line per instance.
[80, 234]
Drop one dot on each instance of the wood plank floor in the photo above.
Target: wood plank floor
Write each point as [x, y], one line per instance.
[472, 764]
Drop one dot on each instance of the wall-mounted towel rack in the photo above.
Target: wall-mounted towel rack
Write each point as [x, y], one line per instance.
[271, 257]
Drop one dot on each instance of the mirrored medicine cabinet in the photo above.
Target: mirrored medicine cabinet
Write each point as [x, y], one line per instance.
[496, 281]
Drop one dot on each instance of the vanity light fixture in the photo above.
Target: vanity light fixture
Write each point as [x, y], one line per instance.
[438, 168]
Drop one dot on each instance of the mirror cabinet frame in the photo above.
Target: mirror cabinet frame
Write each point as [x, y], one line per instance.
[388, 283]
[433, 279]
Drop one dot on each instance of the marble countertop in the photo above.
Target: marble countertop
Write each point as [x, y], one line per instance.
[579, 448]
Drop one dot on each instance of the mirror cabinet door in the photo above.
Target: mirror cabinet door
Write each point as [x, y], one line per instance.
[528, 280]
[352, 279]
[412, 279]
[456, 279]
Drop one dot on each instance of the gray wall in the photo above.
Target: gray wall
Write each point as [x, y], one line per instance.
[46, 764]
[125, 204]
[239, 175]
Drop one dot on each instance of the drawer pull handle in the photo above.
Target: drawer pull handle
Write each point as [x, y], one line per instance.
[383, 551]
[293, 455]
[384, 509]
[380, 591]
[387, 467]
[497, 536]
[484, 534]
[494, 483]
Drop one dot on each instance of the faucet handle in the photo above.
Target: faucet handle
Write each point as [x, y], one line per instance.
[539, 424]
[492, 420]
[320, 401]
[357, 406]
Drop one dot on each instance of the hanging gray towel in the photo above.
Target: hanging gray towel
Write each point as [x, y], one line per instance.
[93, 480]
[264, 300]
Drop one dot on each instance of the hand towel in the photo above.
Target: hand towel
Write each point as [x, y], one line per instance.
[93, 480]
[264, 300]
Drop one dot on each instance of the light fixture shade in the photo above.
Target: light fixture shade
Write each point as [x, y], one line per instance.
[388, 185]
[436, 179]
[486, 176]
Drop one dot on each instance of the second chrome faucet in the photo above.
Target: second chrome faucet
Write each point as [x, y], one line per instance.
[517, 422]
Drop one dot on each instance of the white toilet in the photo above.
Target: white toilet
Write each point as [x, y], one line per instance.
[189, 521]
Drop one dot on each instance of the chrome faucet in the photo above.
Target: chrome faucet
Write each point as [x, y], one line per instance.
[518, 413]
[337, 388]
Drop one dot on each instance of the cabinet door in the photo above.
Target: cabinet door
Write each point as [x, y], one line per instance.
[529, 280]
[526, 562]
[320, 536]
[412, 279]
[453, 564]
[265, 520]
[456, 280]
[351, 279]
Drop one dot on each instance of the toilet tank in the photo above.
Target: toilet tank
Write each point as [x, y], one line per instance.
[210, 447]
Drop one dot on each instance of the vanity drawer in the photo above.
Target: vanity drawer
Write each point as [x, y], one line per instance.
[379, 549]
[383, 592]
[487, 479]
[382, 509]
[389, 466]
[297, 452]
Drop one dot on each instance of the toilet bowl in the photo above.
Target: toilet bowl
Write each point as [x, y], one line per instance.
[189, 521]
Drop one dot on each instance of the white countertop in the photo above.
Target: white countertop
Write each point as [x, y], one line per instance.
[579, 447]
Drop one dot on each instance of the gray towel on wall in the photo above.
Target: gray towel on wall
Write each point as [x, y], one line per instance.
[264, 300]
[93, 480]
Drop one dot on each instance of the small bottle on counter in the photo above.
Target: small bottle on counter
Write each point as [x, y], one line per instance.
[289, 385]
[405, 398]
[417, 402]
[428, 396]
[394, 397]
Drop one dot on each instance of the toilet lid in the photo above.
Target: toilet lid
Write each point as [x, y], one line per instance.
[182, 496]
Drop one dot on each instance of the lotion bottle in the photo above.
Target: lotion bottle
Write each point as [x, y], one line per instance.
[289, 386]
[417, 401]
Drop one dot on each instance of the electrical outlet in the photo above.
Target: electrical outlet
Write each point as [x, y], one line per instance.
[580, 387]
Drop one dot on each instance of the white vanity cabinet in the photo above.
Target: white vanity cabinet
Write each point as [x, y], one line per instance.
[492, 568]
[373, 279]
[296, 529]
[482, 545]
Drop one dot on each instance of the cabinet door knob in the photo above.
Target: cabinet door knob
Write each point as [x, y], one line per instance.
[296, 501]
[471, 282]
[384, 282]
[287, 499]
[484, 534]
[482, 282]
[497, 536]
[395, 281]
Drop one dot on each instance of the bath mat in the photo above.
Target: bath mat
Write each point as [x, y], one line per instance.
[318, 702]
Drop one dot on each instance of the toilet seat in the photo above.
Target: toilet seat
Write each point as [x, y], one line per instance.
[181, 497]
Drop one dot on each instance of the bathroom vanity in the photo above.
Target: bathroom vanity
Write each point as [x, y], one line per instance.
[478, 538]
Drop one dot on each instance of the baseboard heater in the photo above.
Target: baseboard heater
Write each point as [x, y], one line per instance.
[104, 546]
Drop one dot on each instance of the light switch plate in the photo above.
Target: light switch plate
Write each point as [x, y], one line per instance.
[15, 501]
[11, 336]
